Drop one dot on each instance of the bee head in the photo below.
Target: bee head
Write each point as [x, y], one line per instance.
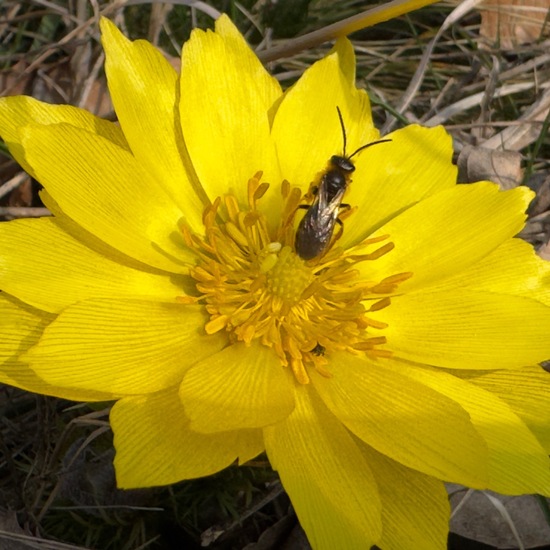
[342, 163]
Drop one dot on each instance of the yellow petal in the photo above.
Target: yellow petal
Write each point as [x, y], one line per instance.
[21, 326]
[513, 268]
[467, 329]
[66, 271]
[404, 419]
[346, 59]
[126, 347]
[517, 462]
[327, 479]
[102, 188]
[391, 177]
[225, 97]
[154, 445]
[415, 507]
[306, 127]
[239, 387]
[20, 111]
[448, 232]
[143, 88]
[527, 392]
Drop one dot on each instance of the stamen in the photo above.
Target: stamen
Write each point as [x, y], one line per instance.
[380, 304]
[369, 343]
[255, 287]
[260, 191]
[216, 324]
[375, 324]
[299, 371]
[382, 251]
[390, 284]
[235, 234]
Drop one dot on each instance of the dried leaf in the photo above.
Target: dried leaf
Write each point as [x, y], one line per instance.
[510, 23]
[479, 163]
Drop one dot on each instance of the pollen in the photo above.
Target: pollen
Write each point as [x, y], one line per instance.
[254, 286]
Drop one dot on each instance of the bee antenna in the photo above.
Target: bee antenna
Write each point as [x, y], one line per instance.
[343, 129]
[368, 145]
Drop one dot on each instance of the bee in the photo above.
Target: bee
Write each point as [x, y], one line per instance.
[316, 228]
[318, 350]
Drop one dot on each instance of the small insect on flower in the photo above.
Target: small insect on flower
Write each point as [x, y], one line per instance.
[318, 350]
[316, 228]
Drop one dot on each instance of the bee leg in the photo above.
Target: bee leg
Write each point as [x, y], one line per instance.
[345, 211]
[340, 229]
[311, 192]
[343, 208]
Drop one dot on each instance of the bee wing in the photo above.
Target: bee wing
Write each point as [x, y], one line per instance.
[316, 228]
[327, 211]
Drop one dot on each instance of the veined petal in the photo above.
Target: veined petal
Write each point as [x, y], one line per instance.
[150, 121]
[226, 94]
[517, 469]
[527, 392]
[513, 268]
[125, 347]
[404, 419]
[20, 111]
[415, 507]
[155, 446]
[21, 326]
[66, 271]
[391, 177]
[448, 232]
[306, 127]
[327, 478]
[239, 387]
[467, 329]
[103, 188]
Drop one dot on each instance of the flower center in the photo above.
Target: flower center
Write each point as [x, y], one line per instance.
[254, 286]
[289, 277]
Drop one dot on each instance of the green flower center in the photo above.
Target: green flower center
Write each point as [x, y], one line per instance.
[254, 286]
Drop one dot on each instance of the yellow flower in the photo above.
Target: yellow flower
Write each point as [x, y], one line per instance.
[167, 280]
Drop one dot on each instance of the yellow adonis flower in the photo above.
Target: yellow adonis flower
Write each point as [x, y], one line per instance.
[403, 356]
